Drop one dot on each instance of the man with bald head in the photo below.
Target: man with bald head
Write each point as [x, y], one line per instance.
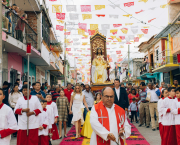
[108, 121]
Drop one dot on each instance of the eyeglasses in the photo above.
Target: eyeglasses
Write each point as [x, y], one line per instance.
[107, 97]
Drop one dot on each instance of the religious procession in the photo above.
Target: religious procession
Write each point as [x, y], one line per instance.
[90, 72]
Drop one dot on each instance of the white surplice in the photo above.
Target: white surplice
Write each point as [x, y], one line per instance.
[7, 121]
[100, 130]
[52, 108]
[43, 120]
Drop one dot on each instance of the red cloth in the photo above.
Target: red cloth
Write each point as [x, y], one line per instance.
[44, 126]
[6, 132]
[43, 140]
[49, 103]
[161, 132]
[25, 98]
[20, 24]
[68, 93]
[130, 96]
[31, 139]
[118, 110]
[169, 135]
[37, 111]
[18, 111]
[1, 105]
[178, 134]
[168, 110]
[55, 133]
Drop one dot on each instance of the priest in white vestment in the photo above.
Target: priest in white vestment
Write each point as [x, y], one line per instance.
[108, 121]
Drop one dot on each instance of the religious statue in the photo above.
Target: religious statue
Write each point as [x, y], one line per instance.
[99, 68]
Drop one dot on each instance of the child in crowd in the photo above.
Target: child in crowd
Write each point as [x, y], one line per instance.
[133, 109]
[43, 125]
[63, 106]
[160, 110]
[51, 106]
[176, 112]
[168, 122]
[32, 112]
[8, 123]
[97, 98]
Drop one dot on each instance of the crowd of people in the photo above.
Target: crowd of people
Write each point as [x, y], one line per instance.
[54, 105]
[13, 20]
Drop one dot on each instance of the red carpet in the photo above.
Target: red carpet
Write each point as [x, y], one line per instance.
[135, 139]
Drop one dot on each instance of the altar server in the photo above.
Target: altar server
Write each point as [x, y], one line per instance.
[52, 107]
[108, 121]
[168, 122]
[176, 112]
[8, 123]
[32, 112]
[160, 110]
[43, 125]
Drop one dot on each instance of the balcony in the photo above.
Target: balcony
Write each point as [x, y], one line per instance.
[165, 62]
[18, 28]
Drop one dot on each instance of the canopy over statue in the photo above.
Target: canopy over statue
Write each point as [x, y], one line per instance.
[99, 62]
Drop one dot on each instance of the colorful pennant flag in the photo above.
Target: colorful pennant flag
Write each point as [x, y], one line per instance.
[122, 37]
[100, 15]
[113, 31]
[82, 26]
[145, 31]
[139, 11]
[91, 32]
[119, 39]
[60, 21]
[86, 16]
[124, 30]
[113, 43]
[114, 6]
[85, 8]
[121, 46]
[114, 16]
[52, 0]
[93, 26]
[81, 32]
[67, 33]
[68, 49]
[163, 6]
[128, 15]
[118, 52]
[105, 26]
[140, 35]
[134, 31]
[136, 39]
[129, 24]
[151, 20]
[99, 7]
[129, 4]
[84, 43]
[117, 25]
[60, 16]
[59, 27]
[56, 8]
[143, 1]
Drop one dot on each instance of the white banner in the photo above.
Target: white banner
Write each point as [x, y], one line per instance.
[73, 16]
[114, 16]
[104, 32]
[105, 26]
[71, 8]
[131, 37]
[71, 28]
[114, 6]
[134, 31]
[77, 43]
[75, 39]
[127, 39]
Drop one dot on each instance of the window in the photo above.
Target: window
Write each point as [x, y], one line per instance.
[157, 53]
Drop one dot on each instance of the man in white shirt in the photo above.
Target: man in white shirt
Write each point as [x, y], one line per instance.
[155, 94]
[108, 121]
[89, 97]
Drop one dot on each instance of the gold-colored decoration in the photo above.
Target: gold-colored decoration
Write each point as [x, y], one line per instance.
[98, 43]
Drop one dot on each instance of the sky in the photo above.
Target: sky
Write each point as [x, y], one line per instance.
[151, 10]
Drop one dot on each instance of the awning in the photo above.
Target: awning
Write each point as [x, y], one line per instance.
[148, 76]
[166, 68]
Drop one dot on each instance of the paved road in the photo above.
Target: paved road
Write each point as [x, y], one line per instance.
[152, 137]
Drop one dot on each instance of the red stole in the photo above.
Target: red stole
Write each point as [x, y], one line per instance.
[103, 118]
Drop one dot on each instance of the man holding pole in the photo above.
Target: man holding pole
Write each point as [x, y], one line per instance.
[28, 130]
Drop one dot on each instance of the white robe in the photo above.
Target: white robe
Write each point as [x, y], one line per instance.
[160, 109]
[100, 130]
[22, 119]
[168, 118]
[174, 111]
[43, 119]
[52, 108]
[7, 121]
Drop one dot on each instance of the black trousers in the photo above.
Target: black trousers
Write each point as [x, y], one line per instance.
[133, 113]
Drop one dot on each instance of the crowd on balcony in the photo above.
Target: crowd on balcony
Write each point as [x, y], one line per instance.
[13, 20]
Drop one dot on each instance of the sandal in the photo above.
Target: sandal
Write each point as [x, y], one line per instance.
[60, 137]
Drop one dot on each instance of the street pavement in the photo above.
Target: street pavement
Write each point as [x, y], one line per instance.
[152, 137]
